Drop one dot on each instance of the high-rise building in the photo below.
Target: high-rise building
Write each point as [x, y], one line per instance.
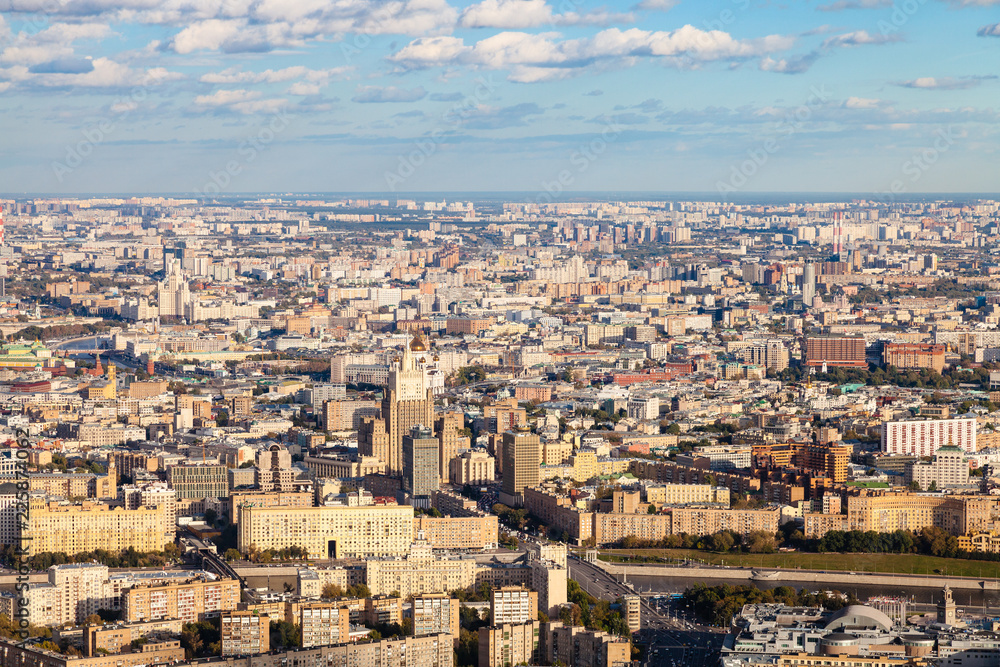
[408, 401]
[447, 428]
[434, 613]
[420, 465]
[173, 294]
[324, 623]
[522, 454]
[154, 494]
[189, 601]
[948, 470]
[772, 355]
[923, 437]
[835, 351]
[503, 645]
[245, 633]
[633, 612]
[575, 645]
[472, 467]
[513, 604]
[808, 285]
[274, 469]
[196, 482]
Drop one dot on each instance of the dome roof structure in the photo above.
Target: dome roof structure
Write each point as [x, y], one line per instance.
[858, 616]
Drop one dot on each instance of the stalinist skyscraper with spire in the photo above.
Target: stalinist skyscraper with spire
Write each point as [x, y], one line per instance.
[408, 401]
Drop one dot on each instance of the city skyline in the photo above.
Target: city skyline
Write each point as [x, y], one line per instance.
[730, 97]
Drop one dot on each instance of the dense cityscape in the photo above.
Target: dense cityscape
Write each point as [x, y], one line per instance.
[322, 431]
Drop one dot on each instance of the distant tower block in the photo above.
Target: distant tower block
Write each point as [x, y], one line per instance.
[2, 239]
[150, 368]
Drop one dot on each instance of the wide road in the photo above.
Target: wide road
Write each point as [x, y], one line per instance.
[672, 636]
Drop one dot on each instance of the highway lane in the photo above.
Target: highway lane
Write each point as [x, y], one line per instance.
[672, 636]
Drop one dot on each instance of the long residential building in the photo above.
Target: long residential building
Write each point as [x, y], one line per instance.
[72, 529]
[923, 437]
[708, 520]
[189, 601]
[467, 533]
[884, 511]
[28, 655]
[332, 531]
[418, 573]
[424, 651]
[607, 528]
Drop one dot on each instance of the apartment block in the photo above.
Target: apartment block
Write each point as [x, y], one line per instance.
[423, 651]
[705, 521]
[197, 482]
[245, 633]
[190, 601]
[914, 355]
[71, 529]
[835, 352]
[420, 572]
[686, 494]
[332, 531]
[575, 646]
[473, 468]
[435, 613]
[324, 623]
[923, 437]
[513, 605]
[468, 533]
[382, 610]
[153, 653]
[506, 645]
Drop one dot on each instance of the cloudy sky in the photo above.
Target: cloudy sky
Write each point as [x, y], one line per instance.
[530, 95]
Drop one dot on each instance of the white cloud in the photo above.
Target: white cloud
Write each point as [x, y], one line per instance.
[540, 57]
[944, 83]
[303, 88]
[862, 103]
[107, 73]
[240, 101]
[263, 26]
[56, 42]
[989, 30]
[518, 14]
[226, 97]
[507, 14]
[858, 38]
[207, 35]
[793, 65]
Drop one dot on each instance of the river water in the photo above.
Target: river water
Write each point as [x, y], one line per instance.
[973, 599]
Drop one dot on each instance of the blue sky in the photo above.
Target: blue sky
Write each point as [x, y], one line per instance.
[430, 95]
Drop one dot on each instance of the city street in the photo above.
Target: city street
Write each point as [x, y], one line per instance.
[672, 636]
